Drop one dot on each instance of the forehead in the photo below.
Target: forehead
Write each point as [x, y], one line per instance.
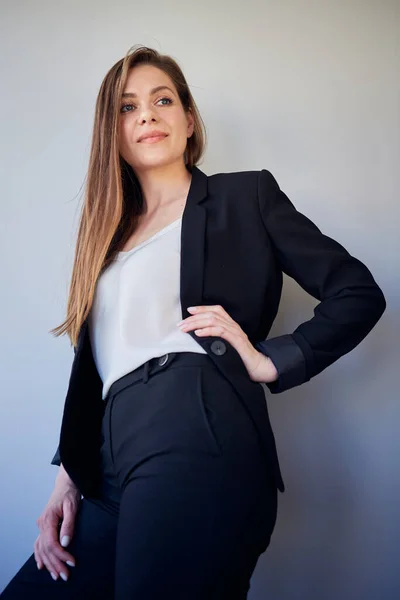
[142, 79]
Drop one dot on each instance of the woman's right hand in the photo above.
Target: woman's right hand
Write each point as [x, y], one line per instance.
[62, 506]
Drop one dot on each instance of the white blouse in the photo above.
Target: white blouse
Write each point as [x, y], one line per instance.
[137, 305]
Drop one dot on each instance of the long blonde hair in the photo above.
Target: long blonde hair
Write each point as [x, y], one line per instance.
[113, 198]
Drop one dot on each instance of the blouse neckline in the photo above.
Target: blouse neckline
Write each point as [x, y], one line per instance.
[123, 254]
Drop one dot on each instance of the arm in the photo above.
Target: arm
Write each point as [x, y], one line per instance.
[351, 301]
[62, 474]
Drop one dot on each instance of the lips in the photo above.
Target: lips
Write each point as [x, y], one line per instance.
[155, 136]
[153, 139]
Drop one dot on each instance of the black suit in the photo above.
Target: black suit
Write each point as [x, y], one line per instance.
[239, 233]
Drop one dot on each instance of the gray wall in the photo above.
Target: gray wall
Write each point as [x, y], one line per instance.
[307, 89]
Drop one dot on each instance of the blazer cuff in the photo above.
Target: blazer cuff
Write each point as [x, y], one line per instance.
[56, 458]
[289, 360]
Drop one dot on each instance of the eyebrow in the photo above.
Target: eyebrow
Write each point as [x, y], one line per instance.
[152, 91]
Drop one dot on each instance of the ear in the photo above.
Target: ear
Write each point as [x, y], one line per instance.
[190, 121]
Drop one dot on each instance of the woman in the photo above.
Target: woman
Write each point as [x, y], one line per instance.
[165, 430]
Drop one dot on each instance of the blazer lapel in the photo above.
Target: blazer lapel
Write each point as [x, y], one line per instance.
[193, 243]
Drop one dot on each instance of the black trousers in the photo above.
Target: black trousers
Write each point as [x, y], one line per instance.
[187, 503]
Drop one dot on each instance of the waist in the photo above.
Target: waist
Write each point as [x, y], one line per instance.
[157, 364]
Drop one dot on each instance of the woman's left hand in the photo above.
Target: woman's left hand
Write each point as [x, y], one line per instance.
[214, 320]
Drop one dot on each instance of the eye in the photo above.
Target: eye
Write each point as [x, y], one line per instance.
[169, 101]
[125, 106]
[165, 98]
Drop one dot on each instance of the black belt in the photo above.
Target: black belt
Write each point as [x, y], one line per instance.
[156, 364]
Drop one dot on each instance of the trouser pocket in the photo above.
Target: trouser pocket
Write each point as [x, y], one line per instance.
[207, 412]
[227, 421]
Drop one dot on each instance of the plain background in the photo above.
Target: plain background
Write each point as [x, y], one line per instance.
[307, 89]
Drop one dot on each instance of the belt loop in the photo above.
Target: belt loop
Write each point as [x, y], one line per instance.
[146, 372]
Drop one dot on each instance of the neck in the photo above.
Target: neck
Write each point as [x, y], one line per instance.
[164, 185]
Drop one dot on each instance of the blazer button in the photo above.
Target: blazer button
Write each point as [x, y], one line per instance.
[218, 347]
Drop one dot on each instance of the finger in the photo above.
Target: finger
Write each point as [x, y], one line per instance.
[207, 319]
[215, 322]
[49, 565]
[57, 552]
[36, 554]
[67, 531]
[51, 543]
[216, 308]
[59, 566]
[56, 565]
[211, 310]
[235, 340]
[217, 331]
[70, 510]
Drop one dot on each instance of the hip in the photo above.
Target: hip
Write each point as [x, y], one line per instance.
[179, 410]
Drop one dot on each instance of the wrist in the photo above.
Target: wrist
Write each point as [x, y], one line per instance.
[264, 370]
[63, 477]
[273, 370]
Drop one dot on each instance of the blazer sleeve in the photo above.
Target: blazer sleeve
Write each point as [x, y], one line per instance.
[56, 460]
[351, 302]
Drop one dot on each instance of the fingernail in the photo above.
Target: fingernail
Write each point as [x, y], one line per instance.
[64, 576]
[70, 563]
[192, 307]
[180, 323]
[38, 566]
[65, 540]
[54, 576]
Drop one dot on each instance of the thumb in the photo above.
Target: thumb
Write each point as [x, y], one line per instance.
[67, 526]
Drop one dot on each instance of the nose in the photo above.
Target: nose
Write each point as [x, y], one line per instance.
[146, 113]
[143, 119]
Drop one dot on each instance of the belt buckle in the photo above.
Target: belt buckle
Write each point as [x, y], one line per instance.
[162, 360]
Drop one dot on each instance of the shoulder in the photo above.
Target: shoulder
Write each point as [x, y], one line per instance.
[237, 180]
[241, 190]
[233, 177]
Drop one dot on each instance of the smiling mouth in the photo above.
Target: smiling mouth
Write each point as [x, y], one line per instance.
[153, 140]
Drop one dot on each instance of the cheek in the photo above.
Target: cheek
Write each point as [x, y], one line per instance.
[179, 135]
[177, 122]
[125, 138]
[123, 130]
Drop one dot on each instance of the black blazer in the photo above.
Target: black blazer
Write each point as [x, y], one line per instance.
[240, 232]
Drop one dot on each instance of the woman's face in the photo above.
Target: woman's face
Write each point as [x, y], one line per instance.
[144, 110]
